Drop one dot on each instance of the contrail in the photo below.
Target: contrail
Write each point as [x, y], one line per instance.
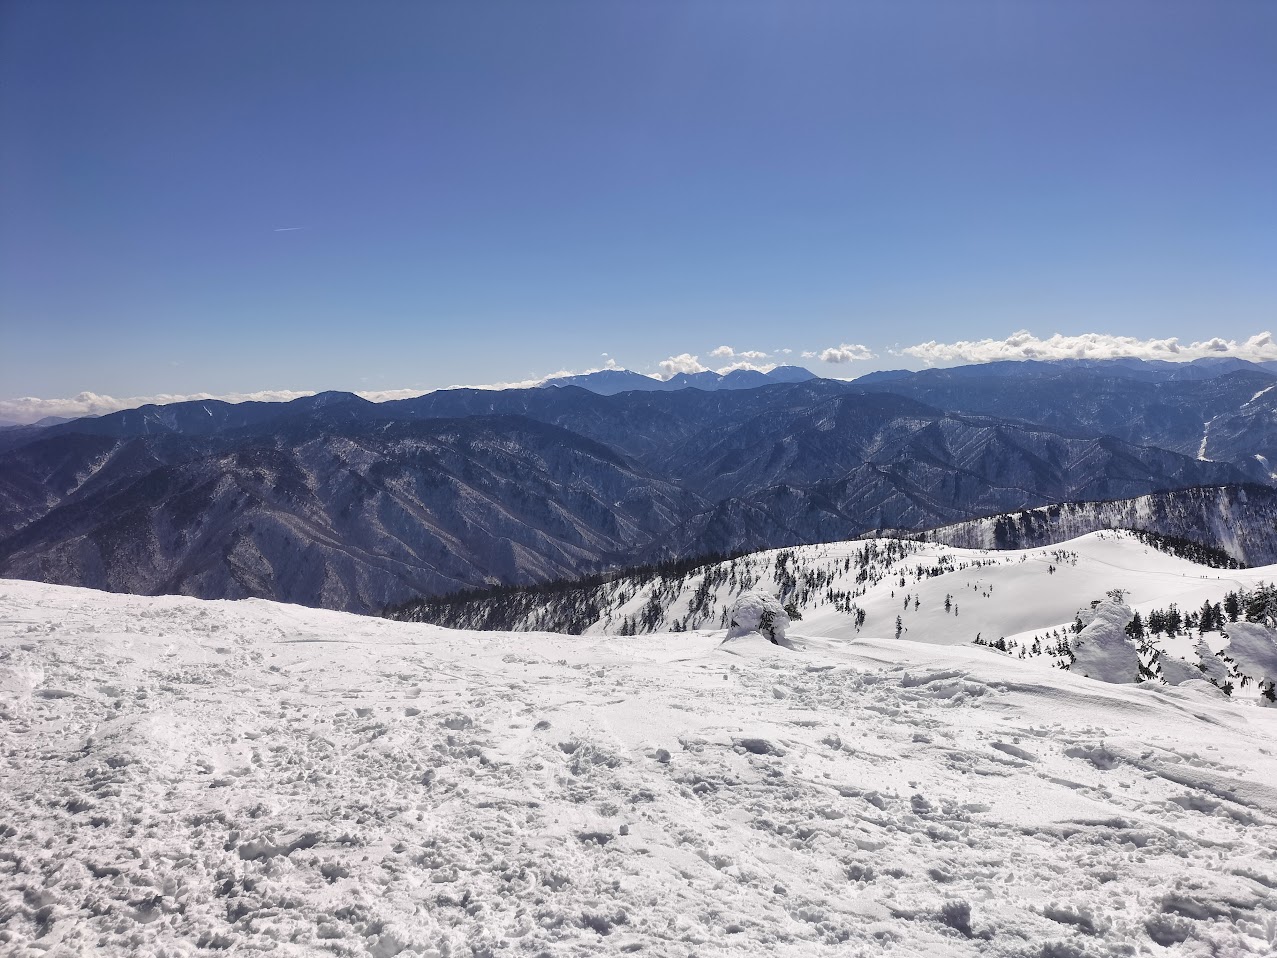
[289, 229]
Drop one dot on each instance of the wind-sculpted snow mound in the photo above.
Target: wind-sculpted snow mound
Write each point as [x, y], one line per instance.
[1253, 646]
[757, 611]
[1103, 650]
[185, 778]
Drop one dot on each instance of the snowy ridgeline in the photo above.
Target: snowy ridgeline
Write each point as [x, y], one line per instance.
[184, 777]
[1030, 603]
[1238, 521]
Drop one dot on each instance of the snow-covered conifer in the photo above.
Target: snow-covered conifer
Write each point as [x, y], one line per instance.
[757, 611]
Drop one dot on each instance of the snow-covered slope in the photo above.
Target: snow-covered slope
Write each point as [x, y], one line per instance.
[930, 592]
[182, 777]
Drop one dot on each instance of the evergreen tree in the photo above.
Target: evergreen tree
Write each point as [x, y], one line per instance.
[1232, 606]
[1135, 628]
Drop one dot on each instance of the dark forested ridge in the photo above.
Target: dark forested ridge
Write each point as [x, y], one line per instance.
[1237, 523]
[338, 502]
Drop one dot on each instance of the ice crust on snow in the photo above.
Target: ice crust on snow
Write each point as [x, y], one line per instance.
[757, 611]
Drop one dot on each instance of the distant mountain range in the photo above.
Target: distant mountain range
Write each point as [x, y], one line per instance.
[338, 502]
[1148, 370]
[609, 382]
[38, 424]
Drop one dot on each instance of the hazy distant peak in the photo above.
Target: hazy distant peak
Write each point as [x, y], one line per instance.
[331, 397]
[608, 382]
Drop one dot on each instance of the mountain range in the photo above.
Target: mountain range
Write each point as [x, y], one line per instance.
[338, 502]
[609, 382]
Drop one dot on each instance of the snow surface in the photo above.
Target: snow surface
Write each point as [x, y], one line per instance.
[994, 593]
[184, 777]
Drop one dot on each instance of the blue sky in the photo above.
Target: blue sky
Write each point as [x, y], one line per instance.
[494, 191]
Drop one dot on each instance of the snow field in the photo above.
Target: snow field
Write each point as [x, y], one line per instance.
[990, 595]
[185, 777]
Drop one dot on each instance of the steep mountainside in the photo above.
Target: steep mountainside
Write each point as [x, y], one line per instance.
[350, 519]
[1239, 520]
[1191, 416]
[337, 502]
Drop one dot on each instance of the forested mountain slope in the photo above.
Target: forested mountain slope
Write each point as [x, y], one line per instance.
[335, 501]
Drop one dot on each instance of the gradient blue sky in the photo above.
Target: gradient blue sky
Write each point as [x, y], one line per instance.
[492, 191]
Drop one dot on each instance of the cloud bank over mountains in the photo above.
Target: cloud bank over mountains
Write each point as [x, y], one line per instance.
[1024, 345]
[1021, 345]
[29, 409]
[744, 359]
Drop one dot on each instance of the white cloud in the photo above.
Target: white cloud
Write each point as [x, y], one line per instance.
[842, 353]
[682, 363]
[745, 364]
[727, 352]
[519, 384]
[523, 383]
[386, 395]
[1024, 345]
[31, 409]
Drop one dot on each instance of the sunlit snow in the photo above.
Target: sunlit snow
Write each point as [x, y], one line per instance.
[184, 776]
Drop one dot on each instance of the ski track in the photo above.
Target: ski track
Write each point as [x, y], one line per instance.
[185, 777]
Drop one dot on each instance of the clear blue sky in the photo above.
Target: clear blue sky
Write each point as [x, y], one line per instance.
[492, 191]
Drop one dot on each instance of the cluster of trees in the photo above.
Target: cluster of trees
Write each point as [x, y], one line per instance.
[1056, 645]
[565, 605]
[706, 585]
[1188, 549]
[1254, 605]
[688, 594]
